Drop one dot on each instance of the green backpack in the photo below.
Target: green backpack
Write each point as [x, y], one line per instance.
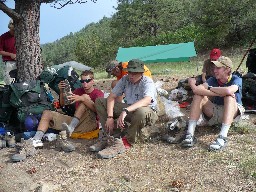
[29, 98]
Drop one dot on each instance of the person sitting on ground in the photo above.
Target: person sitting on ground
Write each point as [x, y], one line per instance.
[208, 66]
[110, 66]
[223, 108]
[120, 70]
[84, 119]
[138, 111]
[8, 52]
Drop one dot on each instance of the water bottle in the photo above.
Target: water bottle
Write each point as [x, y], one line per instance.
[50, 96]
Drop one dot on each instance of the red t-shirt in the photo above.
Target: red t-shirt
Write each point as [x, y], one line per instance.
[93, 95]
[7, 43]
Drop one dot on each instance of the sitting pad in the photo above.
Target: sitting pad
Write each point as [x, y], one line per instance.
[88, 135]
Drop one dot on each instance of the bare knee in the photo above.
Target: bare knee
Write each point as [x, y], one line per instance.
[229, 99]
[199, 99]
[47, 114]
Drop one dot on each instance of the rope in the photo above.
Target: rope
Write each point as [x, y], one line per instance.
[160, 52]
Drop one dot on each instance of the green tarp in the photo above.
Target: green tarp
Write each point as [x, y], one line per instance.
[158, 53]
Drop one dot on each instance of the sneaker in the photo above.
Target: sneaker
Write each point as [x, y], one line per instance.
[100, 145]
[112, 150]
[219, 144]
[188, 141]
[64, 144]
[26, 149]
[37, 143]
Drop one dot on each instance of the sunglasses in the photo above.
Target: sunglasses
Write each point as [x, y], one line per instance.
[86, 81]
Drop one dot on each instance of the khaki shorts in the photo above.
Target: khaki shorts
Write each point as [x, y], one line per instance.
[87, 122]
[218, 114]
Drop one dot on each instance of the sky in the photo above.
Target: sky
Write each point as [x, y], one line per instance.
[57, 23]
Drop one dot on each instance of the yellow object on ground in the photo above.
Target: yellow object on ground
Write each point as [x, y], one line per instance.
[88, 135]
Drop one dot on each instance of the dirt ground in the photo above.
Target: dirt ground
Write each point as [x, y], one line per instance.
[146, 167]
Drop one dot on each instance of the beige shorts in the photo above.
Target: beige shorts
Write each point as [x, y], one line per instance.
[9, 66]
[218, 114]
[87, 122]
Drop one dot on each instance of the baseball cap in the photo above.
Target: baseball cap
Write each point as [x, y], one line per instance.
[223, 61]
[215, 54]
[135, 65]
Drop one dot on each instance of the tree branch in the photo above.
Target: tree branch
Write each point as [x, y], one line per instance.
[10, 12]
[59, 5]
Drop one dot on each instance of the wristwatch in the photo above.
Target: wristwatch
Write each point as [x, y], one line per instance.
[126, 110]
[209, 87]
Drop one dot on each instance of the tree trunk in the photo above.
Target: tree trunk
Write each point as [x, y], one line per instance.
[27, 39]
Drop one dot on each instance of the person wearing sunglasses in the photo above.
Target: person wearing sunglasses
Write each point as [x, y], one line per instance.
[82, 124]
[122, 122]
[218, 100]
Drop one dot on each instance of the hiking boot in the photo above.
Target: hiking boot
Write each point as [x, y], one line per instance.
[10, 139]
[100, 145]
[26, 149]
[188, 141]
[67, 129]
[112, 150]
[64, 145]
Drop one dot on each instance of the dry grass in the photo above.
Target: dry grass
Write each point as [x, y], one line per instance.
[153, 166]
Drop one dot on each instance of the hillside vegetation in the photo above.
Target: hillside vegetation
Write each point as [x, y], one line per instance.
[223, 24]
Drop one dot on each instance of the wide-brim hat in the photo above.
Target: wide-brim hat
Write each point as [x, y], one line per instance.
[135, 65]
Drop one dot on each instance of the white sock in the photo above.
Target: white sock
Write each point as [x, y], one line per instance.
[191, 126]
[74, 122]
[224, 130]
[39, 135]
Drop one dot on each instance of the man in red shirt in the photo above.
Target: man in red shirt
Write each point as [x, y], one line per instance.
[8, 52]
